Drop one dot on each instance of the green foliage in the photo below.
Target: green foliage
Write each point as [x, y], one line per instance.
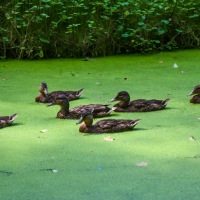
[82, 28]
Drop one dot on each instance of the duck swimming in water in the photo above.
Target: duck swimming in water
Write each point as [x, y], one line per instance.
[139, 105]
[196, 93]
[104, 126]
[100, 110]
[7, 120]
[45, 97]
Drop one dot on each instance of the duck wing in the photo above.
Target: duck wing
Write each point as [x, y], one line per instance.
[99, 110]
[7, 120]
[149, 105]
[71, 95]
[114, 125]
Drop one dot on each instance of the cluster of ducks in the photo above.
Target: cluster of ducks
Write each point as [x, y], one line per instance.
[86, 113]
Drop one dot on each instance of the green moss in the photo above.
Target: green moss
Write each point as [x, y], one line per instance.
[89, 167]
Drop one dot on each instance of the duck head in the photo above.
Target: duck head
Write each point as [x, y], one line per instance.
[123, 97]
[43, 88]
[196, 90]
[86, 117]
[63, 102]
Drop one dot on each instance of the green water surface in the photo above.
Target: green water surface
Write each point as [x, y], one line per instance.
[63, 164]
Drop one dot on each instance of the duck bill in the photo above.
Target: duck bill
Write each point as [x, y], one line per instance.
[50, 104]
[80, 121]
[112, 100]
[45, 91]
[191, 93]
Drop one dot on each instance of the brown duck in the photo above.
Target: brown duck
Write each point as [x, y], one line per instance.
[139, 105]
[100, 110]
[45, 97]
[196, 93]
[104, 126]
[7, 120]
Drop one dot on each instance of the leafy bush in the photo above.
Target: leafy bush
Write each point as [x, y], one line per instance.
[58, 28]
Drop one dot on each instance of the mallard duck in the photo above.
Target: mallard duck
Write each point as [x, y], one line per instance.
[104, 126]
[196, 93]
[100, 110]
[139, 105]
[7, 120]
[45, 97]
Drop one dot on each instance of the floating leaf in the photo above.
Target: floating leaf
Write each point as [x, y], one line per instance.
[175, 66]
[51, 170]
[191, 138]
[43, 131]
[142, 164]
[108, 138]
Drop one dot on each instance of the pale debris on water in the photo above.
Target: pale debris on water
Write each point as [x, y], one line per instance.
[191, 138]
[142, 164]
[43, 131]
[108, 138]
[175, 66]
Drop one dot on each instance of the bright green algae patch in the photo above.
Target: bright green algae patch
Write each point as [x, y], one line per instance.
[65, 164]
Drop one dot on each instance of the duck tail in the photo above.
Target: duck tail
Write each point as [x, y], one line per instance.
[12, 118]
[164, 102]
[134, 123]
[79, 92]
[112, 109]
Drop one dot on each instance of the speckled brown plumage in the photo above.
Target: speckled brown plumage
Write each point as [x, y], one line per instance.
[100, 110]
[139, 105]
[7, 120]
[196, 93]
[104, 126]
[45, 97]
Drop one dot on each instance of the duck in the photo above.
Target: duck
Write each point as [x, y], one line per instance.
[104, 126]
[139, 105]
[45, 97]
[196, 92]
[7, 120]
[100, 110]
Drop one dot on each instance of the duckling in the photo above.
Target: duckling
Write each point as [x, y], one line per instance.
[196, 93]
[45, 97]
[100, 110]
[139, 105]
[7, 120]
[104, 126]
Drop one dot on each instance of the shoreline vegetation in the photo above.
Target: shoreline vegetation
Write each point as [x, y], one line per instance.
[34, 29]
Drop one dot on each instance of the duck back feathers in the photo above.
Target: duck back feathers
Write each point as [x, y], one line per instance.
[7, 120]
[104, 126]
[45, 97]
[139, 105]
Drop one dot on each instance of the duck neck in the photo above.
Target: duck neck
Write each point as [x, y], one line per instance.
[43, 94]
[124, 103]
[64, 110]
[88, 122]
